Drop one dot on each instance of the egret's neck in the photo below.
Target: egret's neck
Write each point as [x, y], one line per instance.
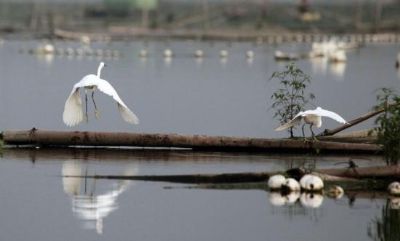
[99, 70]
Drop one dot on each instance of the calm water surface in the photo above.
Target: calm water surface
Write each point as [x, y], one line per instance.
[40, 204]
[186, 96]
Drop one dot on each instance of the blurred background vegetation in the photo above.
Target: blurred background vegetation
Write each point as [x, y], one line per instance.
[268, 16]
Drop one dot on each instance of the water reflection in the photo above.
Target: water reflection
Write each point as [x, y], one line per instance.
[338, 69]
[386, 227]
[92, 201]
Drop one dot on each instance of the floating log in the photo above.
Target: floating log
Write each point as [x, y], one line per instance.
[37, 137]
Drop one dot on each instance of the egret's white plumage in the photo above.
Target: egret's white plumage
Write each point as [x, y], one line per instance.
[311, 117]
[73, 113]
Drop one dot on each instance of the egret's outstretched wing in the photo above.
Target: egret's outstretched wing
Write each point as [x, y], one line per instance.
[326, 113]
[295, 121]
[125, 112]
[73, 113]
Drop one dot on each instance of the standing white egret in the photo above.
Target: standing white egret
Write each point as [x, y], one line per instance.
[73, 113]
[311, 117]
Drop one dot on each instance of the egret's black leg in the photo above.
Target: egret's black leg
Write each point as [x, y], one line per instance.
[312, 133]
[96, 112]
[302, 130]
[87, 117]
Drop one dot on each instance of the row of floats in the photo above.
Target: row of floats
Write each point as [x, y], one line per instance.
[50, 49]
[309, 191]
[333, 50]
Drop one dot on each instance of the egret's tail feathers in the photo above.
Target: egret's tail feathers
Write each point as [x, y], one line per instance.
[284, 126]
[295, 121]
[73, 113]
[128, 115]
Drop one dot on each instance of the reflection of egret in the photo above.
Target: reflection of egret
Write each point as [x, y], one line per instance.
[311, 117]
[338, 68]
[338, 56]
[319, 65]
[88, 206]
[311, 182]
[311, 200]
[73, 113]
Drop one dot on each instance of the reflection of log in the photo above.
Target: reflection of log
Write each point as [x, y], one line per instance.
[365, 172]
[342, 175]
[191, 178]
[197, 142]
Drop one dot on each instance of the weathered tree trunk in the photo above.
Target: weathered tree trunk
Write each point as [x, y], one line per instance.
[36, 137]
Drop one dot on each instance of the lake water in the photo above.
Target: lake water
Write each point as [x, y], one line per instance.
[38, 203]
[185, 96]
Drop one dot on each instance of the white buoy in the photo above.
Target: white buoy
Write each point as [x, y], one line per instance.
[45, 48]
[223, 53]
[311, 183]
[335, 192]
[85, 40]
[143, 53]
[250, 54]
[394, 188]
[168, 53]
[292, 185]
[276, 182]
[199, 53]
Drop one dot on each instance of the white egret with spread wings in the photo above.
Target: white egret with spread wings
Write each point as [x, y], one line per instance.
[311, 117]
[73, 113]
